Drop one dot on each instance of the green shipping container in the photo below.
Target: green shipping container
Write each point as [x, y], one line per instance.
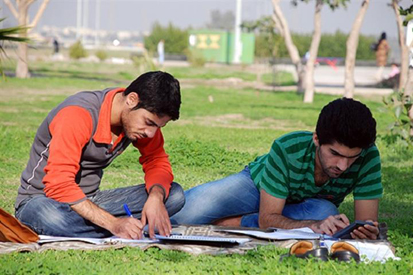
[218, 46]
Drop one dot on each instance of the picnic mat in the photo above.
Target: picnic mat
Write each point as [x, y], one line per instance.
[384, 248]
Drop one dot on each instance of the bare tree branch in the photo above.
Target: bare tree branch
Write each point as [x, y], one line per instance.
[278, 25]
[12, 8]
[39, 14]
[292, 49]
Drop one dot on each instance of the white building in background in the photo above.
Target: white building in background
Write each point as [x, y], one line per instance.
[69, 35]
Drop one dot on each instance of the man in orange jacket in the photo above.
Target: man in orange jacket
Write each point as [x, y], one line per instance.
[59, 193]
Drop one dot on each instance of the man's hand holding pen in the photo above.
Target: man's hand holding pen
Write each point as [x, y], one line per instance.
[128, 228]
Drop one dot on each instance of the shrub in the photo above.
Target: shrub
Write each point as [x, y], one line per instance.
[398, 106]
[143, 62]
[195, 58]
[176, 40]
[76, 51]
[331, 45]
[102, 55]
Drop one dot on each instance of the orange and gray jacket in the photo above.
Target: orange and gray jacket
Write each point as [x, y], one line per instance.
[74, 144]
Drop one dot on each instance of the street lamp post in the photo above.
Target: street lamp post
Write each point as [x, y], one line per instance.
[78, 19]
[238, 43]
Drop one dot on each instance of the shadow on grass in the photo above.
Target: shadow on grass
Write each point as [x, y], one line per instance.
[43, 73]
[299, 107]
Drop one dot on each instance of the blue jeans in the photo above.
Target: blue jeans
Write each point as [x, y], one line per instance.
[49, 217]
[237, 195]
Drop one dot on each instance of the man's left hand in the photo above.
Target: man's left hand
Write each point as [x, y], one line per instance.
[155, 215]
[366, 232]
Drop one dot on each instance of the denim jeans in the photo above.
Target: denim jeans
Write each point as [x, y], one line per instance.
[49, 217]
[237, 195]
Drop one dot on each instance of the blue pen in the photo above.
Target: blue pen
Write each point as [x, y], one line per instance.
[125, 206]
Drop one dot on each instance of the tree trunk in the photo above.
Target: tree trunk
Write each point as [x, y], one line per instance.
[404, 65]
[408, 93]
[282, 25]
[21, 14]
[22, 69]
[351, 51]
[309, 76]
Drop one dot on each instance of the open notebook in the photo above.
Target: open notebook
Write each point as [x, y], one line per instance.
[109, 240]
[207, 240]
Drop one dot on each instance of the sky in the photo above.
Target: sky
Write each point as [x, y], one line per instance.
[140, 15]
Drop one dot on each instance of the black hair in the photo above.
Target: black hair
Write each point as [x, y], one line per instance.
[347, 121]
[383, 36]
[158, 92]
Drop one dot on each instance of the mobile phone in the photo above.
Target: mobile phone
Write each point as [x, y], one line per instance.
[345, 232]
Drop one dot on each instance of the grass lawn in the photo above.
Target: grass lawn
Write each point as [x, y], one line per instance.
[210, 141]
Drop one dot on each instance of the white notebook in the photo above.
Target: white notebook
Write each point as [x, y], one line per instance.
[110, 240]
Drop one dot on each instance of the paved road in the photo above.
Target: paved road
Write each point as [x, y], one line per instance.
[331, 80]
[327, 79]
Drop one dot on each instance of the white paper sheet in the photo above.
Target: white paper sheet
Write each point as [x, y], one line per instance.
[370, 251]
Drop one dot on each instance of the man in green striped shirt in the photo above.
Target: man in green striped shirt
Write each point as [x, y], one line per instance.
[302, 180]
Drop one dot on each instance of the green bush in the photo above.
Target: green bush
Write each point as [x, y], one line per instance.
[331, 45]
[176, 40]
[398, 106]
[102, 55]
[195, 58]
[76, 51]
[143, 62]
[267, 45]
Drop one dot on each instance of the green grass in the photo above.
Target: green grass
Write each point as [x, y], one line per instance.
[279, 79]
[210, 141]
[125, 73]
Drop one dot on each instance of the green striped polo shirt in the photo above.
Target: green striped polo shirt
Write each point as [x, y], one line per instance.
[287, 172]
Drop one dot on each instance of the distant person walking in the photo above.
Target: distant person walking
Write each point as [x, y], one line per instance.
[382, 50]
[161, 52]
[55, 46]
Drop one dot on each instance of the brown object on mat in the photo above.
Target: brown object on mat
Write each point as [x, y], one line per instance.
[11, 230]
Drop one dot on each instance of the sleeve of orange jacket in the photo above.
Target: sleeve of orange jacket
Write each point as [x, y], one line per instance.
[155, 162]
[70, 129]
